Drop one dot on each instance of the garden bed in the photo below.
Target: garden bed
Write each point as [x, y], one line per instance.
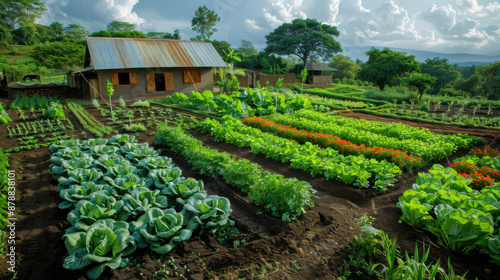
[312, 247]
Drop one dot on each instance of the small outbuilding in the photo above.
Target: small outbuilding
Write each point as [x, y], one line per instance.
[318, 74]
[145, 67]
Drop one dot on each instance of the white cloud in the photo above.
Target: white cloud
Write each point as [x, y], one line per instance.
[493, 7]
[93, 16]
[471, 7]
[252, 25]
[444, 17]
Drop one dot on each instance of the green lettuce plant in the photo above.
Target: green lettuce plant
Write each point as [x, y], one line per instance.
[141, 200]
[87, 212]
[161, 230]
[183, 190]
[104, 243]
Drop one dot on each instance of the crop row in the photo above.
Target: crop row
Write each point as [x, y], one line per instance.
[400, 158]
[311, 158]
[39, 126]
[281, 196]
[123, 196]
[464, 219]
[88, 121]
[37, 102]
[482, 167]
[429, 146]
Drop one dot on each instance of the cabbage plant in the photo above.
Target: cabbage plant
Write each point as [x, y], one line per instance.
[85, 190]
[121, 139]
[150, 163]
[65, 154]
[161, 230]
[84, 161]
[104, 243]
[141, 200]
[183, 190]
[106, 161]
[79, 175]
[161, 177]
[123, 184]
[88, 212]
[210, 212]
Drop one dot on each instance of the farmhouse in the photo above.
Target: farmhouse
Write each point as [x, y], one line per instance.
[145, 67]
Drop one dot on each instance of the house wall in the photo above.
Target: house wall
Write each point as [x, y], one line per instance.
[322, 80]
[140, 90]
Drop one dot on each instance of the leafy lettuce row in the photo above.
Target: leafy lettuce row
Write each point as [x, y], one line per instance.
[464, 220]
[122, 196]
[311, 158]
[416, 141]
[283, 197]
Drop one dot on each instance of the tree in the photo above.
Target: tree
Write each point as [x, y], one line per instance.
[421, 81]
[469, 85]
[345, 67]
[174, 36]
[57, 29]
[76, 32]
[203, 23]
[385, 67]
[247, 48]
[119, 34]
[488, 73]
[116, 25]
[21, 12]
[221, 46]
[58, 54]
[303, 38]
[445, 73]
[26, 35]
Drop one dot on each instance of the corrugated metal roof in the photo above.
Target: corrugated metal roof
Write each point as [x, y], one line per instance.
[123, 53]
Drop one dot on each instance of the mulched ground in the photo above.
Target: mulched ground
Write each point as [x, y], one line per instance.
[312, 247]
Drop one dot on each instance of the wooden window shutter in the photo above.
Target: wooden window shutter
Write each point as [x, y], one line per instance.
[114, 79]
[192, 76]
[133, 78]
[169, 81]
[150, 81]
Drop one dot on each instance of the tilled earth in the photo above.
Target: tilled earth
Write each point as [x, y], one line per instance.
[312, 247]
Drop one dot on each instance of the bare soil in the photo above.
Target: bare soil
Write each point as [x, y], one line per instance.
[312, 247]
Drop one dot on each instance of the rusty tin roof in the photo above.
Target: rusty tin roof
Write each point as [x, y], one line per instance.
[126, 53]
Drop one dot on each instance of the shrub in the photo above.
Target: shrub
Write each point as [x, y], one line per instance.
[424, 107]
[336, 81]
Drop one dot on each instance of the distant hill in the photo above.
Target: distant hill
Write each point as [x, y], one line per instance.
[462, 59]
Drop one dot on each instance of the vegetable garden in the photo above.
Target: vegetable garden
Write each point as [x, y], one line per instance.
[259, 185]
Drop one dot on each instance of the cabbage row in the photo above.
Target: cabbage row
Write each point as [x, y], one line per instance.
[356, 170]
[122, 196]
[281, 196]
[416, 141]
[464, 219]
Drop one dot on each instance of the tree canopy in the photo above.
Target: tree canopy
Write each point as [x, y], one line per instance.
[445, 73]
[346, 67]
[203, 23]
[116, 25]
[304, 38]
[421, 81]
[118, 34]
[246, 48]
[14, 13]
[76, 32]
[385, 67]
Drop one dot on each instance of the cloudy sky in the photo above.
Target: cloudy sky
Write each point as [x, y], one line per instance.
[470, 26]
